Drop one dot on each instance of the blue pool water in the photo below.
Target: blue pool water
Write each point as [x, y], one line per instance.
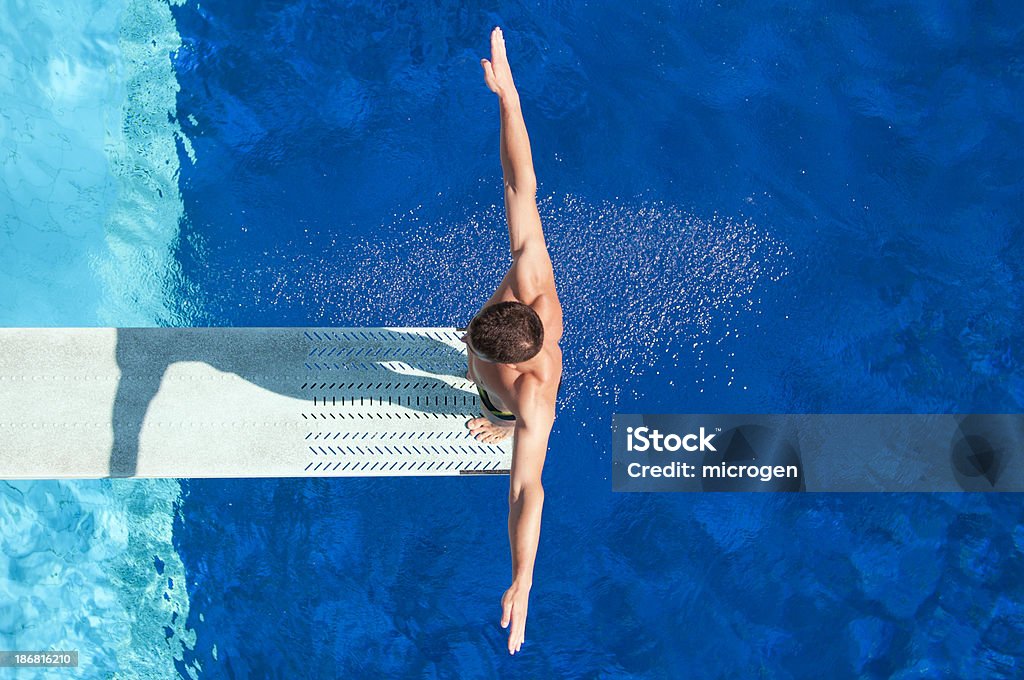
[751, 207]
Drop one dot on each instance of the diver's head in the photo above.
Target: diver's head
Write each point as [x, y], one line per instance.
[505, 333]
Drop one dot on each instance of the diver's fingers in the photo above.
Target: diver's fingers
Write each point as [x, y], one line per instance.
[512, 635]
[496, 43]
[489, 79]
[506, 610]
[520, 628]
[499, 43]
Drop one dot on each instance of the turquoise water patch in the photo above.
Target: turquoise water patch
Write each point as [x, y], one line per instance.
[89, 217]
[89, 566]
[59, 84]
[142, 283]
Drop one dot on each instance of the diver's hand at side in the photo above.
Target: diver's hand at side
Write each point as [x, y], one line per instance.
[497, 73]
[514, 604]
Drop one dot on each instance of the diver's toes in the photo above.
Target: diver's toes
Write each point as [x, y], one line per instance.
[486, 432]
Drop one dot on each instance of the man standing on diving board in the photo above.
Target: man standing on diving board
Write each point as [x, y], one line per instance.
[512, 347]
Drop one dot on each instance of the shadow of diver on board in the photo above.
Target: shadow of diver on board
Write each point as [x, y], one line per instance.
[143, 357]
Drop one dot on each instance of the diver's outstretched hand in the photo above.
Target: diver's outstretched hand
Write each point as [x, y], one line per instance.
[497, 73]
[514, 604]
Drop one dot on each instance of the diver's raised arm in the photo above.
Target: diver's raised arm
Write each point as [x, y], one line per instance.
[516, 159]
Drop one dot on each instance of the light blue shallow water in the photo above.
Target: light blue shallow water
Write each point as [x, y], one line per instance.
[753, 207]
[89, 214]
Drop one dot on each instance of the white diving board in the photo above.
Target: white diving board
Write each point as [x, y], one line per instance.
[238, 402]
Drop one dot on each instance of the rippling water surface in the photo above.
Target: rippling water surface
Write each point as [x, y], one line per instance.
[751, 207]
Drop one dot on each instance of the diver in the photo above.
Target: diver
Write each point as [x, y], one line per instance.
[512, 347]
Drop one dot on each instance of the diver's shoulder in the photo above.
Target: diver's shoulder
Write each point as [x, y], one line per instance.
[541, 383]
[536, 401]
[549, 309]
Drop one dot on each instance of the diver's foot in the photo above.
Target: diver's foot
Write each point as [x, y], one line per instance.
[487, 432]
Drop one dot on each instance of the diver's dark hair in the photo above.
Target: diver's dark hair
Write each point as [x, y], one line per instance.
[507, 332]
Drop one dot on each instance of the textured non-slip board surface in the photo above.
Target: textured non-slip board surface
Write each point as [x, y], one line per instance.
[238, 402]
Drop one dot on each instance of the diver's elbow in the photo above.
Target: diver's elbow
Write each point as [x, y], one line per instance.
[526, 491]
